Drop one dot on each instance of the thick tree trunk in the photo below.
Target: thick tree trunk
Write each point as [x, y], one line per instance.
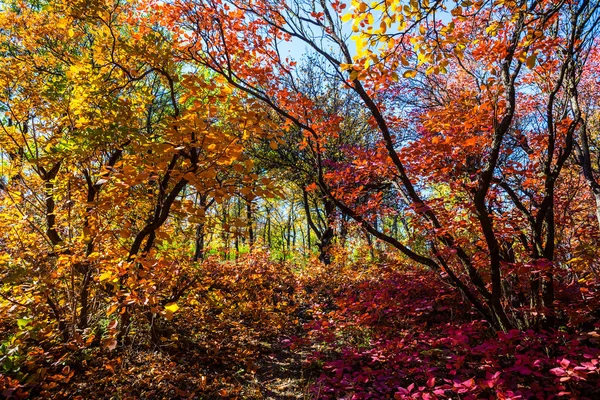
[324, 245]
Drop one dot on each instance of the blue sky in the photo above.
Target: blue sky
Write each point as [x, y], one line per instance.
[296, 48]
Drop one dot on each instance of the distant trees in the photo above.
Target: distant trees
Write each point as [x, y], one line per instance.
[292, 158]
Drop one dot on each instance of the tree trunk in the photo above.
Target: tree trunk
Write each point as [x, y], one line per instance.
[199, 243]
[250, 222]
[328, 234]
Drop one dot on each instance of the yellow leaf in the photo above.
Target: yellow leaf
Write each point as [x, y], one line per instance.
[105, 276]
[172, 307]
[410, 74]
[492, 30]
[346, 17]
[360, 47]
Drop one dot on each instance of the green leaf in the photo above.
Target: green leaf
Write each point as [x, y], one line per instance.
[23, 322]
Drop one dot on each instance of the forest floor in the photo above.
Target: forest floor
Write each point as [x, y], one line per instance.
[261, 330]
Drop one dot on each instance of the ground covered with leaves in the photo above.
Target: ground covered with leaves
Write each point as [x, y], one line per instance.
[257, 329]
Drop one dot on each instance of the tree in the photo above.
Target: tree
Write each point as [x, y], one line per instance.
[105, 139]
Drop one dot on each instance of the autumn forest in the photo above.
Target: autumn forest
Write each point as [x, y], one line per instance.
[300, 199]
